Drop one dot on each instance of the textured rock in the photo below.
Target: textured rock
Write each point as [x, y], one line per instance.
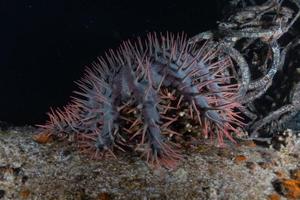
[29, 170]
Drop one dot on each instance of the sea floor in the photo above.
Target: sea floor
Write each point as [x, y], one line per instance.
[29, 170]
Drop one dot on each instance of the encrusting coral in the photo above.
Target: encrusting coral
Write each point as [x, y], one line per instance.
[137, 97]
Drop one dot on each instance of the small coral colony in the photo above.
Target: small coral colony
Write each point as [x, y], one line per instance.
[152, 94]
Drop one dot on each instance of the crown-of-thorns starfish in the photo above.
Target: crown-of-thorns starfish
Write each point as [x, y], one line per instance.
[132, 97]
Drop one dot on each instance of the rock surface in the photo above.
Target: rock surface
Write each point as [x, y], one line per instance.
[57, 171]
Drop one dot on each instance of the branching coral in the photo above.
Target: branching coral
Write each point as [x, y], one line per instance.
[259, 37]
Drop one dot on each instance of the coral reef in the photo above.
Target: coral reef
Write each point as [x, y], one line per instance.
[56, 171]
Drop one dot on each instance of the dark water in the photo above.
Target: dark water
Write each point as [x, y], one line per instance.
[45, 45]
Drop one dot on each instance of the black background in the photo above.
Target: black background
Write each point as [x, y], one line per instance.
[45, 44]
